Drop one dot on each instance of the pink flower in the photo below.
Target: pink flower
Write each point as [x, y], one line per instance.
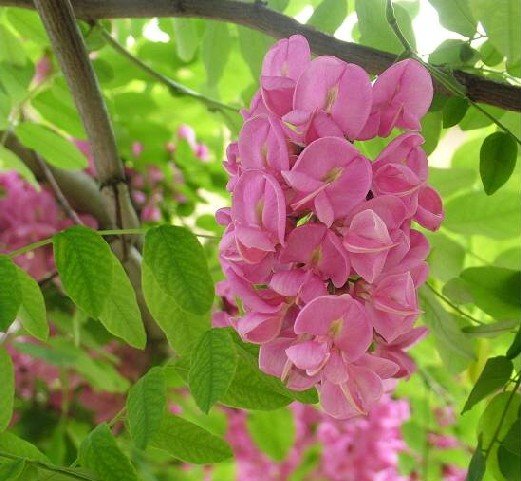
[317, 248]
[401, 97]
[259, 214]
[341, 90]
[262, 145]
[330, 176]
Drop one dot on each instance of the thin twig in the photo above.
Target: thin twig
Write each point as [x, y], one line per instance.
[64, 203]
[393, 23]
[454, 306]
[174, 87]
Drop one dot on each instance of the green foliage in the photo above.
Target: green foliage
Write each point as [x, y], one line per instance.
[6, 389]
[515, 349]
[497, 160]
[12, 471]
[477, 466]
[475, 213]
[216, 50]
[55, 149]
[375, 30]
[501, 22]
[329, 15]
[212, 368]
[84, 262]
[177, 263]
[495, 374]
[100, 453]
[273, 431]
[120, 314]
[495, 290]
[10, 161]
[12, 444]
[146, 405]
[32, 312]
[190, 443]
[455, 15]
[10, 292]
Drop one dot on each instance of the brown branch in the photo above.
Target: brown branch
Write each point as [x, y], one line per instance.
[60, 198]
[71, 52]
[258, 17]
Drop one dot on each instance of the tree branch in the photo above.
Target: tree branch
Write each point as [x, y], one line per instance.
[258, 17]
[69, 47]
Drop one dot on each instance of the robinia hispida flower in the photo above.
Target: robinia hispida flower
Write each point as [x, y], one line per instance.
[321, 261]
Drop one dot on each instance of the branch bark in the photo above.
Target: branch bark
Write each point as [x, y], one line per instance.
[258, 17]
[69, 47]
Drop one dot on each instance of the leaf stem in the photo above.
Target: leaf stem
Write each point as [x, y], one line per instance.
[50, 467]
[174, 87]
[393, 23]
[107, 232]
[452, 305]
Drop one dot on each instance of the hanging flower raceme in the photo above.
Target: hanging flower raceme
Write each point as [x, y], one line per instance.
[320, 244]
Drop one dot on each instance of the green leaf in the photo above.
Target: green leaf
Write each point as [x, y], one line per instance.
[146, 405]
[490, 56]
[254, 46]
[453, 111]
[12, 444]
[11, 49]
[84, 263]
[495, 290]
[182, 329]
[212, 368]
[32, 312]
[456, 350]
[455, 15]
[515, 348]
[121, 315]
[446, 257]
[495, 374]
[454, 53]
[6, 389]
[329, 15]
[100, 453]
[215, 51]
[431, 130]
[375, 30]
[28, 25]
[177, 261]
[189, 442]
[501, 23]
[10, 161]
[449, 181]
[491, 330]
[15, 80]
[273, 431]
[186, 38]
[12, 470]
[477, 466]
[54, 149]
[475, 213]
[10, 292]
[497, 160]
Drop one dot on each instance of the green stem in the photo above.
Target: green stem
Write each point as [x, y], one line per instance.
[50, 467]
[503, 416]
[108, 232]
[174, 87]
[393, 23]
[451, 304]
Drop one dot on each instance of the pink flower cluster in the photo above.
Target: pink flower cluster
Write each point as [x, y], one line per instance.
[362, 449]
[28, 215]
[320, 257]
